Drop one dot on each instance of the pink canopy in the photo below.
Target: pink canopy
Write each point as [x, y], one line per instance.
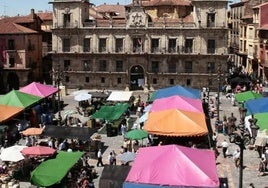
[177, 102]
[38, 89]
[174, 165]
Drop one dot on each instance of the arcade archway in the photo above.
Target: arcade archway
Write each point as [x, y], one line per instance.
[137, 78]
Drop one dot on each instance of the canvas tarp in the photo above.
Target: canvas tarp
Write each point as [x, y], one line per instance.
[7, 112]
[110, 112]
[81, 133]
[19, 99]
[113, 176]
[177, 90]
[255, 106]
[52, 171]
[176, 123]
[39, 89]
[174, 165]
[120, 96]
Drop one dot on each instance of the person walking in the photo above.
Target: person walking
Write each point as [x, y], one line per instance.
[224, 146]
[236, 157]
[99, 155]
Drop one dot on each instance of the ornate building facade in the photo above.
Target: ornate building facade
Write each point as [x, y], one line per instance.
[146, 45]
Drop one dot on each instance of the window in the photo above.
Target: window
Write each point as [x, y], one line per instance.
[119, 66]
[155, 66]
[211, 20]
[119, 45]
[102, 80]
[211, 46]
[154, 81]
[211, 67]
[188, 46]
[11, 62]
[119, 80]
[188, 82]
[155, 46]
[137, 45]
[67, 64]
[66, 45]
[102, 65]
[102, 45]
[87, 79]
[86, 64]
[66, 20]
[188, 66]
[11, 44]
[86, 45]
[172, 67]
[171, 45]
[171, 81]
[67, 78]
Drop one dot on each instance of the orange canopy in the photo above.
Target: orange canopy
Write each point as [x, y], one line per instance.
[175, 122]
[7, 112]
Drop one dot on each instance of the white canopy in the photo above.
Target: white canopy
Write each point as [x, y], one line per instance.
[120, 96]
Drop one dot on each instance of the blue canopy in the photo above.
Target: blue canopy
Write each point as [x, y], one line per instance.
[178, 90]
[259, 105]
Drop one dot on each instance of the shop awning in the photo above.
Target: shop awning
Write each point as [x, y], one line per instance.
[52, 171]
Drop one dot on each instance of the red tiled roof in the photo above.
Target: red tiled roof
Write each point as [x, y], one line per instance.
[264, 27]
[166, 2]
[11, 26]
[46, 16]
[119, 10]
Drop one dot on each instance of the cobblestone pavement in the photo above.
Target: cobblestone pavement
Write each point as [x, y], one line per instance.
[225, 166]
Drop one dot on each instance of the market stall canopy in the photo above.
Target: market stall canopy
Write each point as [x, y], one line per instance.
[176, 123]
[38, 151]
[19, 99]
[247, 95]
[7, 112]
[136, 134]
[110, 112]
[262, 120]
[259, 105]
[82, 133]
[32, 131]
[177, 90]
[12, 153]
[113, 176]
[177, 102]
[120, 96]
[38, 89]
[174, 165]
[82, 97]
[52, 171]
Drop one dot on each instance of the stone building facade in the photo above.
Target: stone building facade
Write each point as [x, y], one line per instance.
[145, 45]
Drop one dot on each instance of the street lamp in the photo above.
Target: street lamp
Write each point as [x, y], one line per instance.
[240, 137]
[58, 77]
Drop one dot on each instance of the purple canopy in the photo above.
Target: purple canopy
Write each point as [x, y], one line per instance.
[39, 90]
[174, 165]
[177, 102]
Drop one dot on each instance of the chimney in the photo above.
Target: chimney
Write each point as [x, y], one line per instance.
[32, 13]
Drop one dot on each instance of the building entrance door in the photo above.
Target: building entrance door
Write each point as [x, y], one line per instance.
[136, 78]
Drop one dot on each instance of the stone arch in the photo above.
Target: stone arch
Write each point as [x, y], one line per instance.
[137, 77]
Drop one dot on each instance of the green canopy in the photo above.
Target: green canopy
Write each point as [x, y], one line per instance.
[19, 99]
[262, 120]
[52, 171]
[247, 95]
[110, 113]
[136, 134]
